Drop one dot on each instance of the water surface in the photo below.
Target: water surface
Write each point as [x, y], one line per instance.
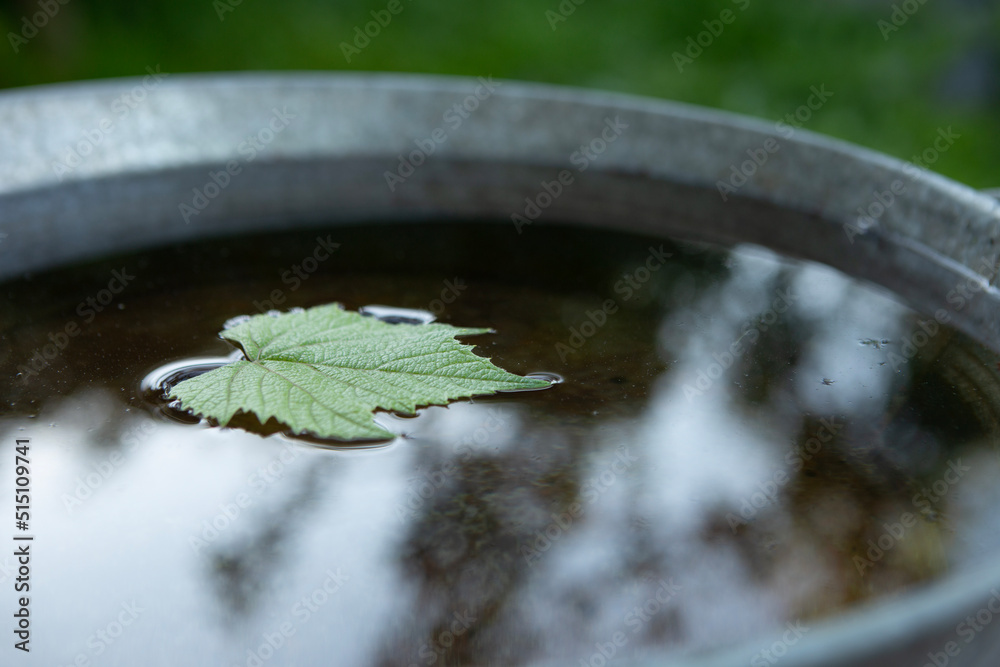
[739, 442]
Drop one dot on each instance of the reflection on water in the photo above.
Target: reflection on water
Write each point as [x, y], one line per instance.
[739, 442]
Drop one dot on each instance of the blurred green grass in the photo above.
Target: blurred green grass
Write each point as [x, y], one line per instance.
[940, 69]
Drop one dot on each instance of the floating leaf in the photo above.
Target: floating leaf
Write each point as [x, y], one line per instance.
[325, 370]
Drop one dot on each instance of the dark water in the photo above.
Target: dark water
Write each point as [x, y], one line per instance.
[740, 442]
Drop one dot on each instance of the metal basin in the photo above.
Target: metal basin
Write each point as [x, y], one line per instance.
[98, 168]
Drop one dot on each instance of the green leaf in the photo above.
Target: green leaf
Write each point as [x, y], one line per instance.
[325, 370]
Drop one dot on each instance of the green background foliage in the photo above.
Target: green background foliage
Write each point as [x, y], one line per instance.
[941, 68]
